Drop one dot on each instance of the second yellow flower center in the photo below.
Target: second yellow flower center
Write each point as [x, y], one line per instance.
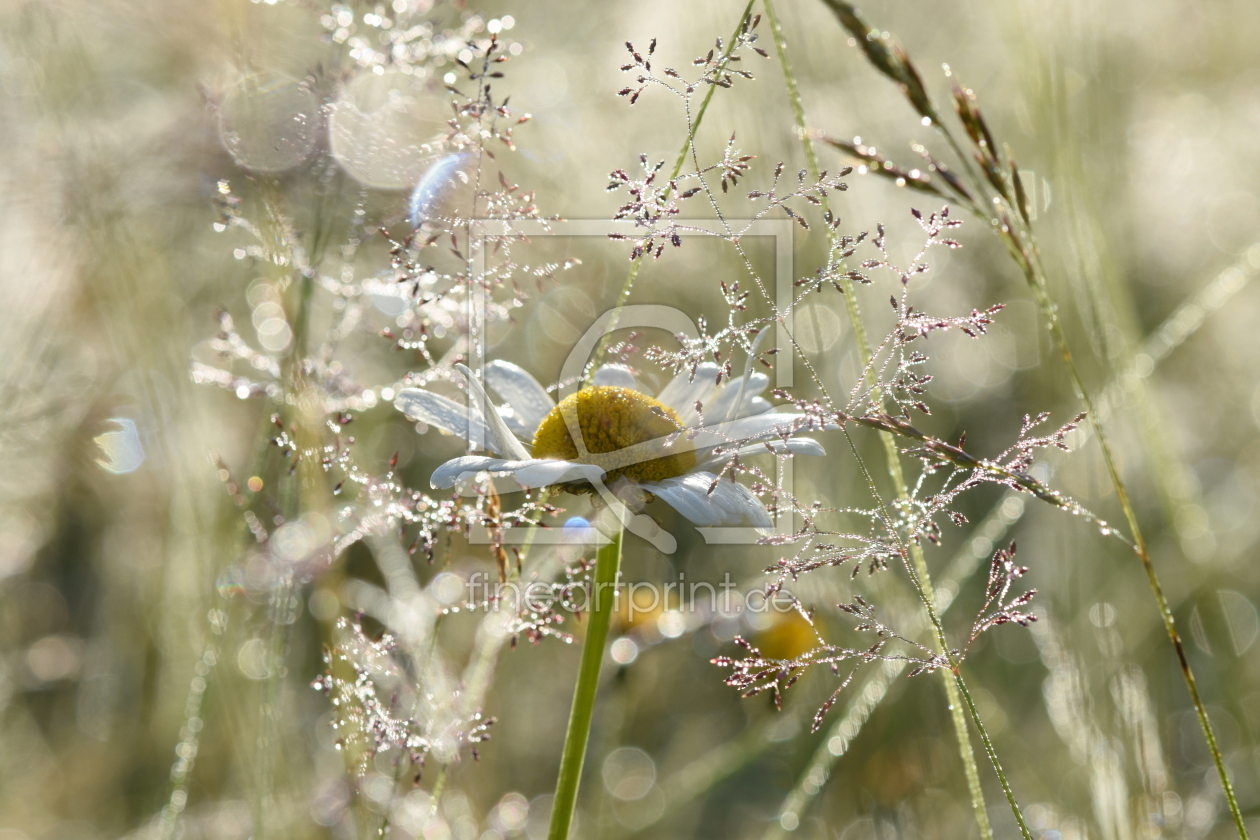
[611, 420]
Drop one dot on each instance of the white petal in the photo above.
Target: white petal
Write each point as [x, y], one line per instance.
[797, 446]
[683, 391]
[514, 423]
[730, 503]
[735, 398]
[443, 414]
[618, 376]
[499, 439]
[528, 400]
[532, 472]
[748, 429]
[540, 472]
[466, 466]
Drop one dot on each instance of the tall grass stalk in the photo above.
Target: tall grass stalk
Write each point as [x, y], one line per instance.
[953, 682]
[1175, 490]
[1035, 275]
[1096, 273]
[607, 566]
[300, 487]
[1010, 219]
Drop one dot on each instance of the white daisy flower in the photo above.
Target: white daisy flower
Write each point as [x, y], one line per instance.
[612, 434]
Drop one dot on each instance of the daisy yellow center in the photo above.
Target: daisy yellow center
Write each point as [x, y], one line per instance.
[611, 420]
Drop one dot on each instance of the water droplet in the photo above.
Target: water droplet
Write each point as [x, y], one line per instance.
[122, 448]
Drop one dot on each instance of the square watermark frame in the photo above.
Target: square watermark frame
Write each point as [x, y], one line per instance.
[780, 230]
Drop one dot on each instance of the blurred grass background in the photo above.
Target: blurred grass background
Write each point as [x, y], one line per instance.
[1137, 123]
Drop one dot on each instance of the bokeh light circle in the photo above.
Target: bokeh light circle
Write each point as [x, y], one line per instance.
[384, 128]
[268, 122]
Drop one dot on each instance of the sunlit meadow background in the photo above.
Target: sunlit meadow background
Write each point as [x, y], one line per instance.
[1137, 124]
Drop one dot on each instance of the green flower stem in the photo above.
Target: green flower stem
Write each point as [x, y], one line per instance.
[607, 565]
[924, 582]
